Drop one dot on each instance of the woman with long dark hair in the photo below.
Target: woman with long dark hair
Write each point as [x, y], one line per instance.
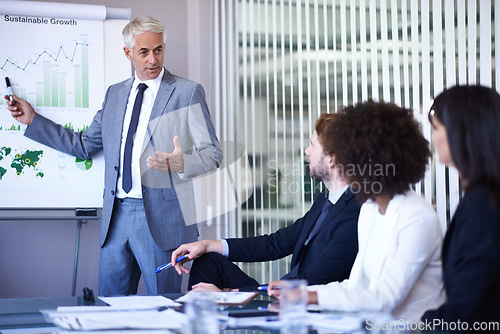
[466, 122]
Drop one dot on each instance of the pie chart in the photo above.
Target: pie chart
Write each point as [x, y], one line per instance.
[83, 164]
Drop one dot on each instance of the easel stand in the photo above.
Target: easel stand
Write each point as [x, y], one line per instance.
[80, 213]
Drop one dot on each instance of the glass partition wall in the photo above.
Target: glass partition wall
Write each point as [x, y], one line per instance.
[279, 64]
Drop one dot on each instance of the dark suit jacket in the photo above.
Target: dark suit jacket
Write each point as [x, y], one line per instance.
[328, 256]
[471, 262]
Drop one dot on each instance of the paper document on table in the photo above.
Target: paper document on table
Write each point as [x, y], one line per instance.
[272, 322]
[118, 331]
[332, 321]
[139, 302]
[328, 321]
[222, 297]
[106, 320]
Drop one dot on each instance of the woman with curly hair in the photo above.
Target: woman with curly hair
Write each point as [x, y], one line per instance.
[382, 152]
[466, 122]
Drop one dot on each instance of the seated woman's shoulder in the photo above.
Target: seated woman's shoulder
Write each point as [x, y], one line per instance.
[414, 203]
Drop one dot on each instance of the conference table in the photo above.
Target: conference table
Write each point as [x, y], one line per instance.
[22, 315]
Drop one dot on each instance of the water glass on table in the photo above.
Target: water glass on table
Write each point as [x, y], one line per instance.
[293, 306]
[202, 316]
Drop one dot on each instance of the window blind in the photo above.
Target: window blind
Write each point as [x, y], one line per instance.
[279, 64]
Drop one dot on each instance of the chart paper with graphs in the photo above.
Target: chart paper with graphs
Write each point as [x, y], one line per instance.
[57, 65]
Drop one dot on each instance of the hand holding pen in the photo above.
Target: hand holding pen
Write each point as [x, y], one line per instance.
[194, 250]
[21, 110]
[168, 265]
[273, 289]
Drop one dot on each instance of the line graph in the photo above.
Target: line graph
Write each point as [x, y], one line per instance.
[56, 58]
[62, 77]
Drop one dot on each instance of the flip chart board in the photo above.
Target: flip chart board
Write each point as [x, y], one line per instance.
[60, 58]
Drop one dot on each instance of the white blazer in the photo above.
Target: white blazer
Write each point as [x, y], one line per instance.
[406, 278]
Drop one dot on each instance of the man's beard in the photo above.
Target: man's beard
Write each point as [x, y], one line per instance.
[320, 172]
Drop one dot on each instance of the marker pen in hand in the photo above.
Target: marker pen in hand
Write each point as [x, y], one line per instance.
[9, 90]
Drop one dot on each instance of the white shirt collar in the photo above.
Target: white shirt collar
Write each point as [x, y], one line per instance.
[334, 197]
[153, 84]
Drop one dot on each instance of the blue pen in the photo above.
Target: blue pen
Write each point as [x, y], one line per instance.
[168, 265]
[264, 287]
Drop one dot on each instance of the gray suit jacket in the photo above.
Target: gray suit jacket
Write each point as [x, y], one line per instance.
[179, 110]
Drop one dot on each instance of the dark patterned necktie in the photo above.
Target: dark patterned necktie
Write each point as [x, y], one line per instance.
[129, 143]
[326, 208]
[322, 217]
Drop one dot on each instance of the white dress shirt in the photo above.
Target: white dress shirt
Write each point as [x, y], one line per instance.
[147, 107]
[405, 276]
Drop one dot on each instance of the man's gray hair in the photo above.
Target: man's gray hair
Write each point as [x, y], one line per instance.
[140, 25]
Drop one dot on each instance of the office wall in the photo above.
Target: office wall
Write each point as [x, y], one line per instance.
[36, 257]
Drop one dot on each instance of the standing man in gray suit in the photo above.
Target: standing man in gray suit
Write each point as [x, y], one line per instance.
[156, 134]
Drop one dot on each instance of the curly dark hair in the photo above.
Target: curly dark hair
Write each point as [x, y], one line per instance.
[380, 148]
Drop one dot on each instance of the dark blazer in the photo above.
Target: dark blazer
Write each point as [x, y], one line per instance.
[327, 257]
[471, 262]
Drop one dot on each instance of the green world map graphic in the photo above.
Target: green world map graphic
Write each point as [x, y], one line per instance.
[20, 161]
